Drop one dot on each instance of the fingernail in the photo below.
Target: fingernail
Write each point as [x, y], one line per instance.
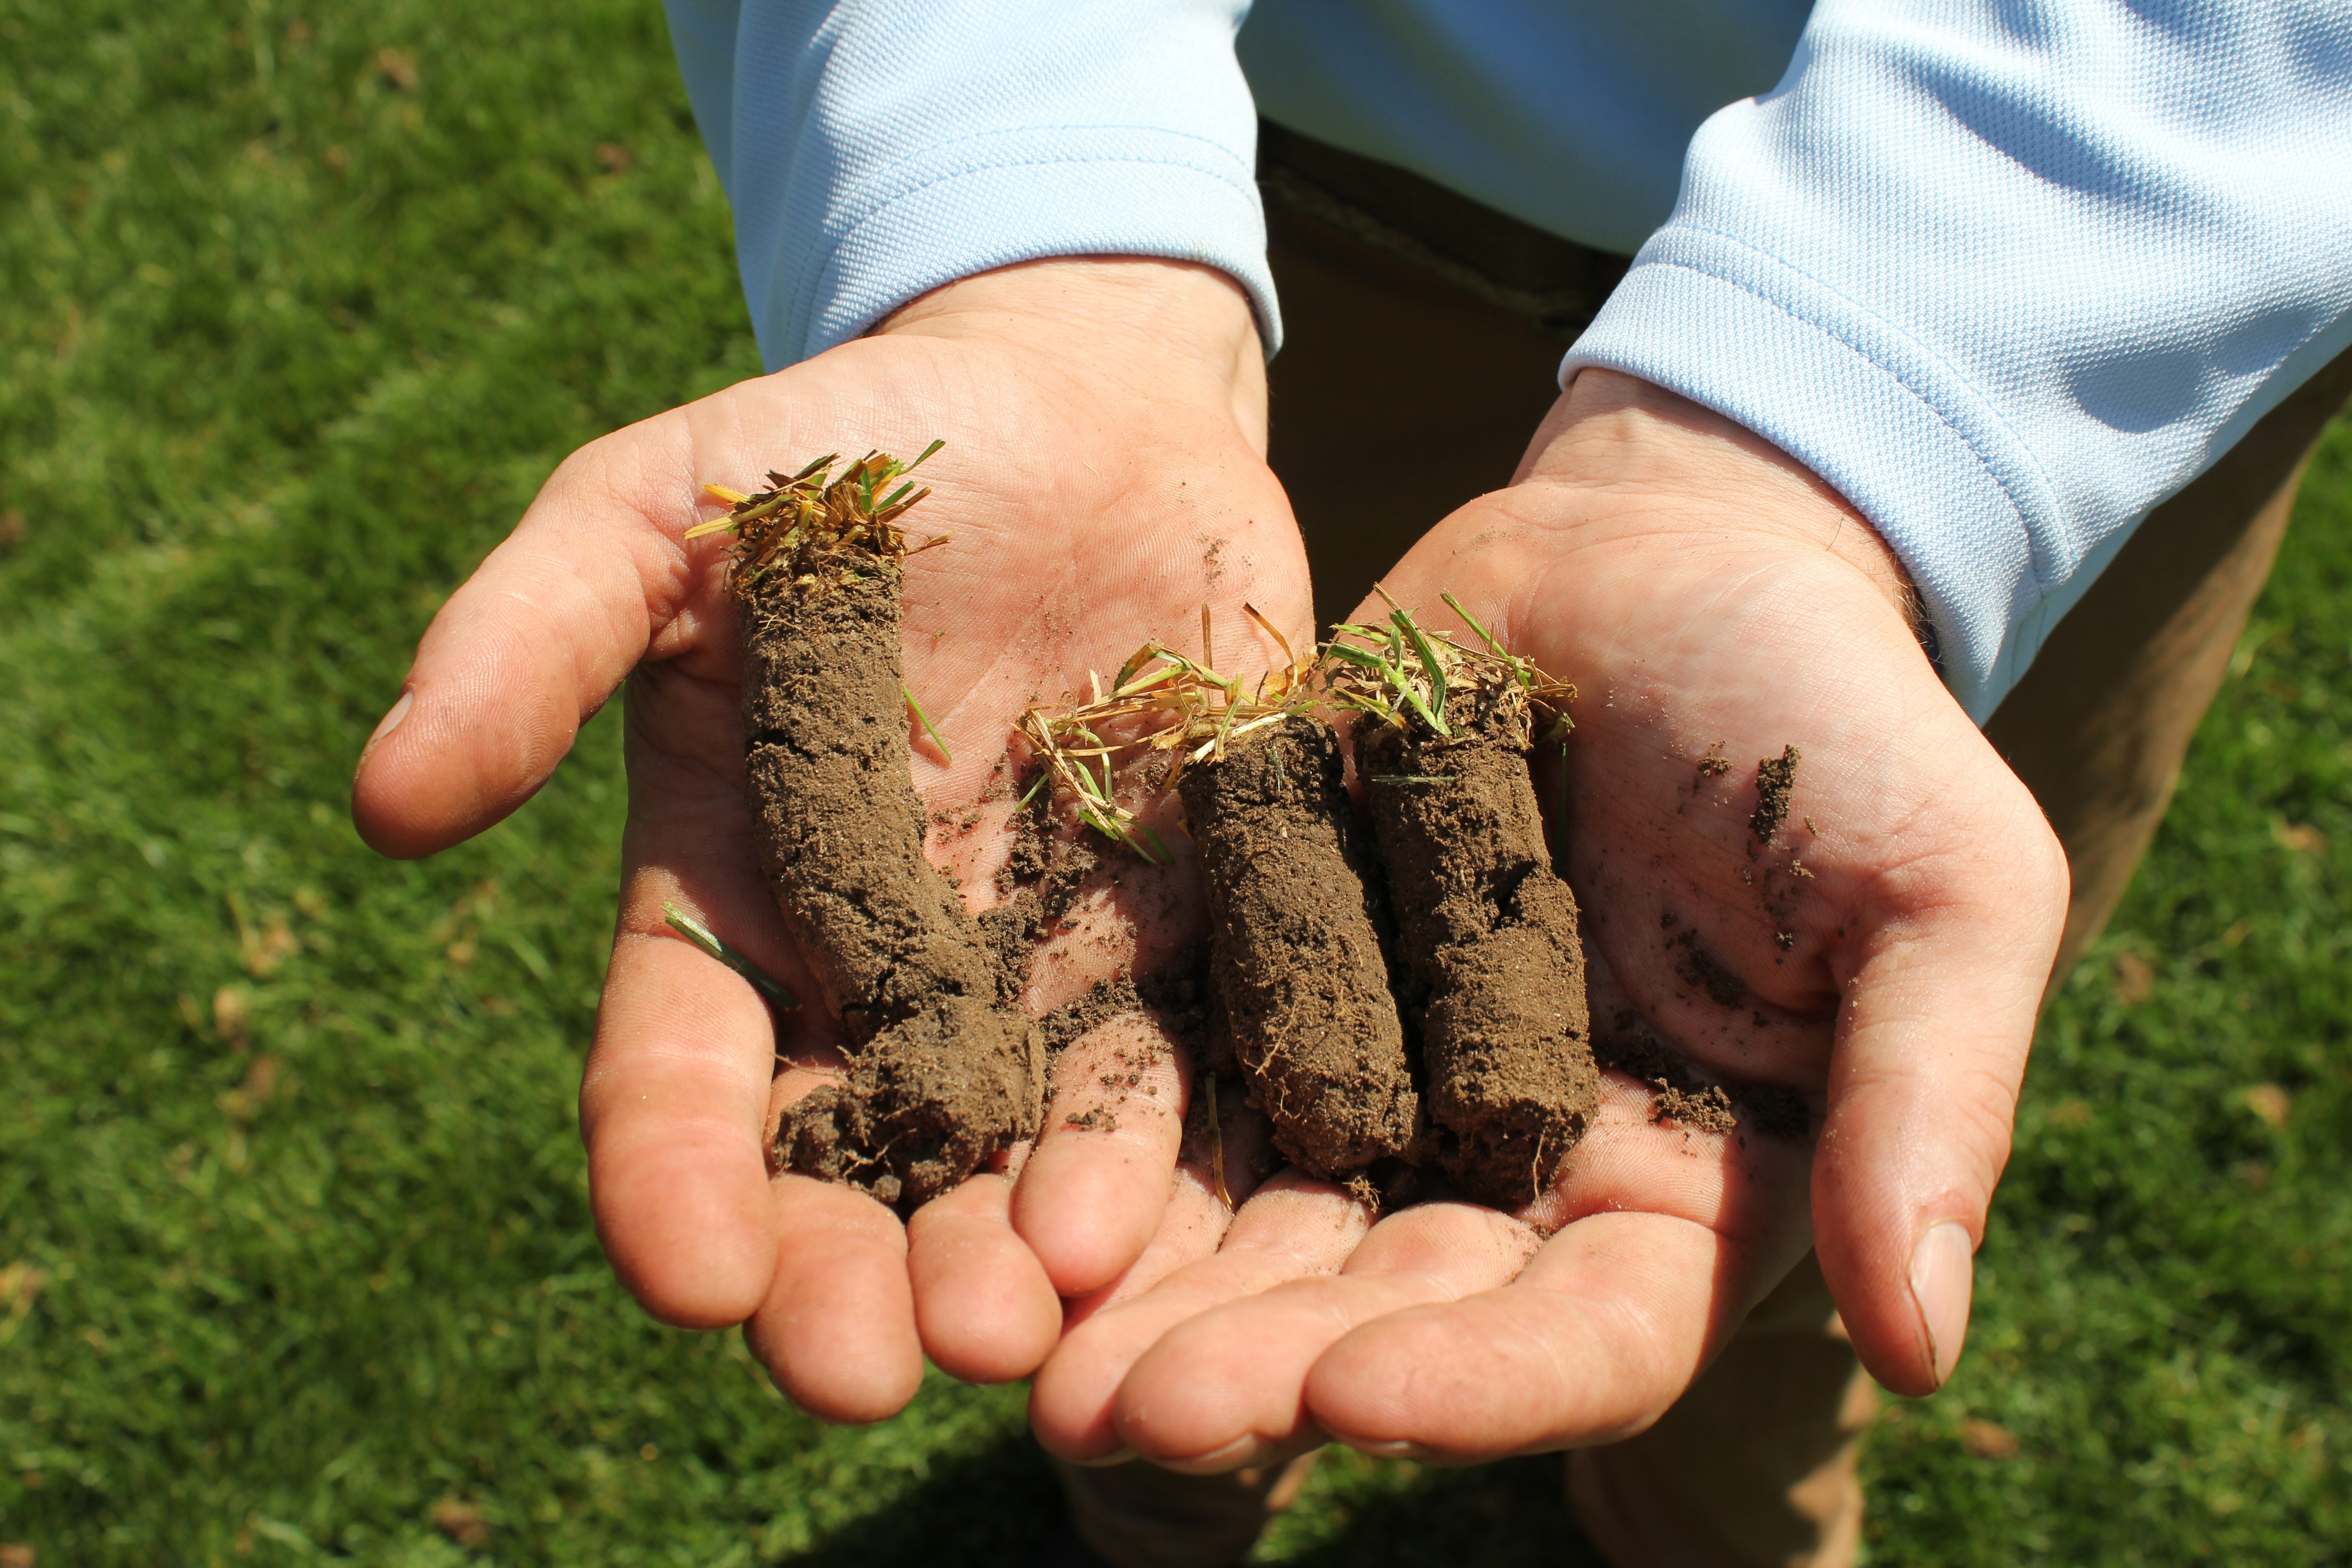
[1941, 1279]
[390, 723]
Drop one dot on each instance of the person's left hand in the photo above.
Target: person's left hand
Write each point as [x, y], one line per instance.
[1879, 957]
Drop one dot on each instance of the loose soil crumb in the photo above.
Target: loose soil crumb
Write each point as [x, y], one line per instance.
[1683, 1096]
[1298, 954]
[1708, 1110]
[1698, 967]
[1033, 830]
[1774, 779]
[1108, 1000]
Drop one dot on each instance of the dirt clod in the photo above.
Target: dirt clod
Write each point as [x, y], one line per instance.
[942, 1075]
[1688, 1100]
[1775, 777]
[1698, 967]
[1298, 957]
[1492, 968]
[1707, 1111]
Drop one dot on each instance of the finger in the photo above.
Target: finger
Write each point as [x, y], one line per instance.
[837, 1329]
[1091, 1196]
[1923, 1088]
[676, 1099]
[1217, 1173]
[984, 1307]
[1589, 1344]
[1192, 1224]
[1291, 1228]
[1667, 1234]
[673, 1106]
[1226, 1390]
[533, 643]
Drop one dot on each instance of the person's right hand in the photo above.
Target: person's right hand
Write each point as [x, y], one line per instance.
[1878, 951]
[1103, 478]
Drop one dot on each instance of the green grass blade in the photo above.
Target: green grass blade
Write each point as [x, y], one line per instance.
[1357, 657]
[1428, 655]
[695, 932]
[1158, 848]
[1472, 622]
[1414, 700]
[928, 728]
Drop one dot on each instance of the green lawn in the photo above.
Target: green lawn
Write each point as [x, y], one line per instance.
[296, 309]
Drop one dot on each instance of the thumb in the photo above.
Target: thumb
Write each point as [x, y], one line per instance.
[1931, 1046]
[533, 645]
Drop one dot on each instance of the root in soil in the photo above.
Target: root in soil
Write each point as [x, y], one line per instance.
[1492, 969]
[943, 1074]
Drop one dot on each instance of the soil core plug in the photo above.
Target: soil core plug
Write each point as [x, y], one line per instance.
[1297, 949]
[943, 1074]
[1492, 971]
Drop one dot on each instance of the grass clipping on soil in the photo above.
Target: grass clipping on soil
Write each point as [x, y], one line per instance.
[944, 1073]
[1396, 998]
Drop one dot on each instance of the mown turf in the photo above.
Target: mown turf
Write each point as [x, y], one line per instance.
[296, 310]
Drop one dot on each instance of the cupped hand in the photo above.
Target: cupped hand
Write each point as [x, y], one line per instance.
[1103, 480]
[1876, 954]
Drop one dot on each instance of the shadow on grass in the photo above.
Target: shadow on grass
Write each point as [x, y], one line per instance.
[994, 1505]
[1000, 1505]
[1495, 1516]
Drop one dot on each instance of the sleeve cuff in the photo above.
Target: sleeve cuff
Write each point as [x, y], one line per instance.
[995, 200]
[1894, 427]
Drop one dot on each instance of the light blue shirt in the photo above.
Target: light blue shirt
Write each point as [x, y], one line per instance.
[2007, 275]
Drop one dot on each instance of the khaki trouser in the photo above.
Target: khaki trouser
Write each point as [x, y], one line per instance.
[1423, 332]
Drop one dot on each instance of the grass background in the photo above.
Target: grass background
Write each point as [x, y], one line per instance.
[296, 310]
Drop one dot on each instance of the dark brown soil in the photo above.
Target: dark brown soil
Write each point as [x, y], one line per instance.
[1704, 1111]
[1775, 778]
[1492, 967]
[1684, 1098]
[1105, 1000]
[1698, 967]
[942, 1076]
[1296, 956]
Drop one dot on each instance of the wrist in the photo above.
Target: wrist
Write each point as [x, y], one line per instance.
[1672, 463]
[1155, 328]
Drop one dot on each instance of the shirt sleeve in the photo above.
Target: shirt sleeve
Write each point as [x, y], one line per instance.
[873, 150]
[2008, 276]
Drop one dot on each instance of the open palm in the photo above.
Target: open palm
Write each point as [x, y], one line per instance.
[1865, 965]
[1103, 480]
